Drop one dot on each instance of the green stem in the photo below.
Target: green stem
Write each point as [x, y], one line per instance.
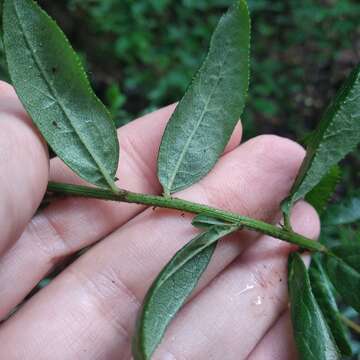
[287, 221]
[187, 206]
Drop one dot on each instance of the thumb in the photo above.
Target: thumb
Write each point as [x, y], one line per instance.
[24, 167]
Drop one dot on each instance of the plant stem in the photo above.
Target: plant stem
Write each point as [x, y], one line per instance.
[287, 221]
[187, 206]
[351, 324]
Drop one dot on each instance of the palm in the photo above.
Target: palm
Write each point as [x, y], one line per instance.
[88, 312]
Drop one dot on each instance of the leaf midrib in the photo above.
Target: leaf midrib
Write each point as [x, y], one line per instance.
[201, 118]
[318, 143]
[185, 261]
[103, 171]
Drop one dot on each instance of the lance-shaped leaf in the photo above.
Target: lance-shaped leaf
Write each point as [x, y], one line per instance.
[205, 222]
[343, 268]
[171, 289]
[312, 336]
[323, 293]
[52, 85]
[205, 118]
[320, 195]
[337, 134]
[346, 211]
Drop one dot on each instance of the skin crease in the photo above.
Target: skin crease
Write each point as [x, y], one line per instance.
[239, 310]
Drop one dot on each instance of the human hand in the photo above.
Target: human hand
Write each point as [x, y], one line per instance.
[239, 310]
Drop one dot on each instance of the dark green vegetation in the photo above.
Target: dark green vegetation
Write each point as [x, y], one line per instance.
[321, 288]
[39, 79]
[301, 52]
[312, 335]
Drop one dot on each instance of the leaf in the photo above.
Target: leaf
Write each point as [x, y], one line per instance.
[312, 335]
[346, 211]
[204, 120]
[349, 254]
[337, 134]
[305, 141]
[52, 85]
[171, 289]
[319, 196]
[323, 293]
[343, 268]
[205, 222]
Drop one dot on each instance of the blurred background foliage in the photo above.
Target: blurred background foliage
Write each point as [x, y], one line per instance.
[141, 55]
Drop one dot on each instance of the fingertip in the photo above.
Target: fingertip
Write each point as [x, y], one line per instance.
[278, 151]
[24, 167]
[305, 220]
[235, 138]
[6, 89]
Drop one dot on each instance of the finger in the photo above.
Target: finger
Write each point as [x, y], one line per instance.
[71, 224]
[24, 167]
[278, 343]
[106, 285]
[139, 145]
[68, 225]
[242, 303]
[235, 139]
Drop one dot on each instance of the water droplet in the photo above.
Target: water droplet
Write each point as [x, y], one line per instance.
[258, 300]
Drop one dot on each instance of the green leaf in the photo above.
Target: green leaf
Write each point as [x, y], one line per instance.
[323, 293]
[55, 91]
[343, 268]
[319, 196]
[205, 118]
[312, 335]
[305, 141]
[205, 222]
[348, 253]
[171, 289]
[337, 134]
[346, 211]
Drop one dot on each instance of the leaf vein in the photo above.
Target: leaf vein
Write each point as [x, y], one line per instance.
[55, 97]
